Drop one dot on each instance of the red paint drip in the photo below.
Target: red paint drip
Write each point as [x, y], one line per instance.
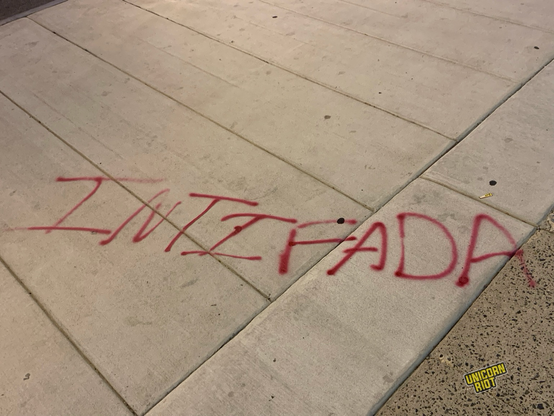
[284, 256]
[215, 200]
[454, 251]
[526, 272]
[464, 277]
[358, 248]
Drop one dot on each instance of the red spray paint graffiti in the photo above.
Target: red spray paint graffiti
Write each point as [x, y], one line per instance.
[284, 257]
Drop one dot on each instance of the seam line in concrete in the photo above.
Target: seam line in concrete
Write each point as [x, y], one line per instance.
[267, 61]
[450, 61]
[500, 19]
[181, 380]
[486, 115]
[481, 201]
[466, 133]
[113, 179]
[64, 333]
[206, 117]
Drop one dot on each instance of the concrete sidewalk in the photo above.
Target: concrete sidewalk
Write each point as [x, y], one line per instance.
[264, 207]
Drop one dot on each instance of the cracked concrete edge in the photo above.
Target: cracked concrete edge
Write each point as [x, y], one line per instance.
[509, 322]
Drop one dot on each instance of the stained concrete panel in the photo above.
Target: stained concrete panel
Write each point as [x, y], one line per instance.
[130, 130]
[359, 150]
[533, 13]
[500, 48]
[41, 372]
[338, 344]
[510, 155]
[444, 96]
[144, 318]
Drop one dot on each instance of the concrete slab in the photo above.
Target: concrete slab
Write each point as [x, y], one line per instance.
[359, 150]
[41, 372]
[431, 92]
[130, 130]
[533, 13]
[144, 318]
[501, 48]
[510, 323]
[510, 155]
[338, 344]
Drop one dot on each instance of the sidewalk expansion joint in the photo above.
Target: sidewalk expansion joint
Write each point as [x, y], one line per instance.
[65, 333]
[267, 61]
[113, 179]
[207, 118]
[482, 201]
[500, 19]
[450, 61]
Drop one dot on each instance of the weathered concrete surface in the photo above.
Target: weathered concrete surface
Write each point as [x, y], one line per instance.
[533, 13]
[361, 151]
[41, 372]
[510, 323]
[130, 130]
[498, 47]
[514, 148]
[152, 100]
[144, 318]
[432, 92]
[338, 344]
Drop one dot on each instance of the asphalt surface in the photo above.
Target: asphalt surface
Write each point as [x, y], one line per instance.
[10, 8]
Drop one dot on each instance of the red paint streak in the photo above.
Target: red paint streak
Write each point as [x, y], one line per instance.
[224, 198]
[284, 256]
[98, 180]
[464, 277]
[454, 251]
[91, 193]
[358, 248]
[133, 215]
[203, 253]
[139, 236]
[307, 224]
[329, 240]
[53, 228]
[254, 220]
[216, 199]
[526, 272]
[105, 178]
